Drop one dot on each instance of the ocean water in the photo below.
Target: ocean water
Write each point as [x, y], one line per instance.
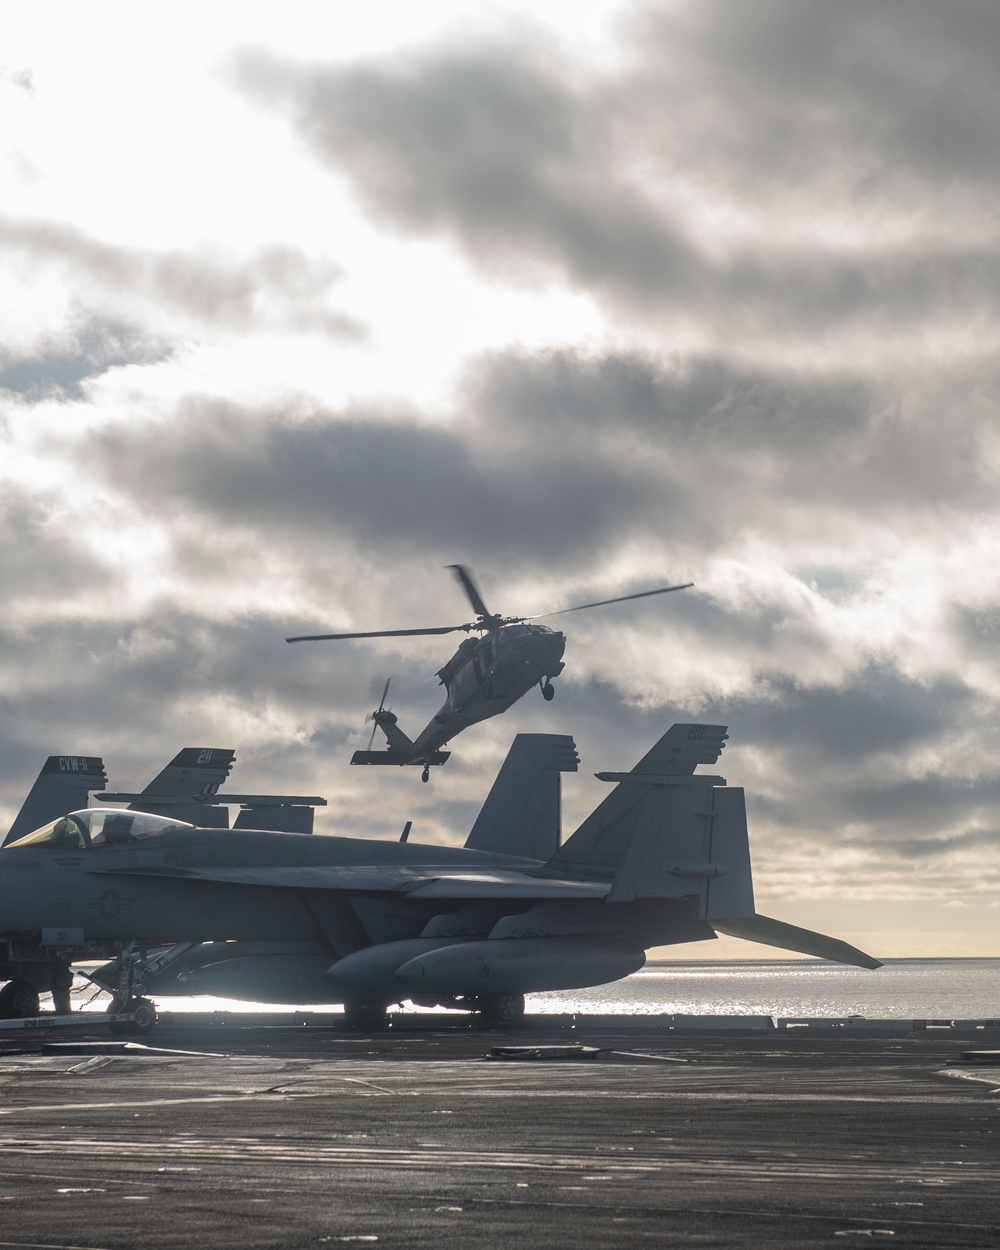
[903, 989]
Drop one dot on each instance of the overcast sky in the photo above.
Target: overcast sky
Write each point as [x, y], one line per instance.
[302, 303]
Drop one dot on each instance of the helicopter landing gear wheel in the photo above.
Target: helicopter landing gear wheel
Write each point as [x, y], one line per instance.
[501, 1009]
[548, 691]
[18, 1000]
[426, 774]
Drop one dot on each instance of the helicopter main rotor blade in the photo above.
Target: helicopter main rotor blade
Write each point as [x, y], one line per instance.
[469, 586]
[383, 633]
[642, 594]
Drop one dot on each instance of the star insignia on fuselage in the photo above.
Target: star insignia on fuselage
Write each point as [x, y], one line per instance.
[110, 904]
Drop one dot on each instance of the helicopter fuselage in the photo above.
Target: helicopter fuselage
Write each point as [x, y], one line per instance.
[485, 676]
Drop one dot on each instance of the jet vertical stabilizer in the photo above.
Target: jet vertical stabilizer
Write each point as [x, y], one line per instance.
[63, 785]
[186, 788]
[604, 838]
[690, 841]
[193, 770]
[522, 814]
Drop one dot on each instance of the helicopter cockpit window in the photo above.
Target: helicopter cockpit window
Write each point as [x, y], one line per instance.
[100, 826]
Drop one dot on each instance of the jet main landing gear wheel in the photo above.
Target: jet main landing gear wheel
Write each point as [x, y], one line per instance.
[501, 1008]
[18, 1000]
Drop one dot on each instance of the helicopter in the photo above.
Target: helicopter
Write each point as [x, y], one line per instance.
[484, 677]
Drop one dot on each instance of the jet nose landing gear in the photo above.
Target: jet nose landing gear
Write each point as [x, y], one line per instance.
[139, 1017]
[548, 690]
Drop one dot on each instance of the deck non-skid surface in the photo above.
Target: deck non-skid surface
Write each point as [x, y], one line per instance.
[311, 1137]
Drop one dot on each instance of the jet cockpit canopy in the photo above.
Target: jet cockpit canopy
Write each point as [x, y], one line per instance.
[99, 826]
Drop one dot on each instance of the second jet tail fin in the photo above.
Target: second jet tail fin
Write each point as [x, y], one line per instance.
[522, 812]
[186, 788]
[605, 837]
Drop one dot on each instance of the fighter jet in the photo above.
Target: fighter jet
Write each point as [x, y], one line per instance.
[187, 789]
[521, 816]
[663, 859]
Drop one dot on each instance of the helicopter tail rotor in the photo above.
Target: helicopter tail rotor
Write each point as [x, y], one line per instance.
[376, 715]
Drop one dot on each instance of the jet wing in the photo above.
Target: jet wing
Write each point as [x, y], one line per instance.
[509, 885]
[429, 882]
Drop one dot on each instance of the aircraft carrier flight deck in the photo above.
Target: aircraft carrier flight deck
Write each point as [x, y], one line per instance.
[292, 1131]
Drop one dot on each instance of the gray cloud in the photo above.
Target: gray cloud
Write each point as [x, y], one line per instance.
[565, 458]
[58, 367]
[374, 480]
[20, 78]
[40, 554]
[86, 688]
[491, 147]
[877, 715]
[279, 284]
[560, 456]
[532, 166]
[846, 100]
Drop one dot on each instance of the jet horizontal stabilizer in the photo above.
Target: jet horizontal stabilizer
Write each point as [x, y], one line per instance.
[790, 937]
[210, 800]
[388, 757]
[662, 779]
